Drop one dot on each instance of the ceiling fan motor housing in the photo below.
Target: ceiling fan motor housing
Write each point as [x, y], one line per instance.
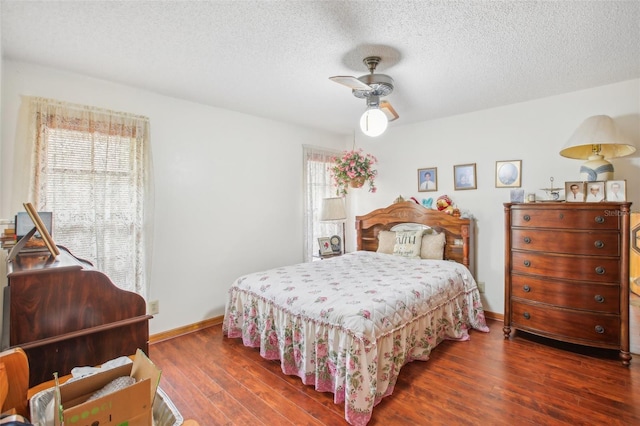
[381, 85]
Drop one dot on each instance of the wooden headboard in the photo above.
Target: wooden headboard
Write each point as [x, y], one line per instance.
[460, 233]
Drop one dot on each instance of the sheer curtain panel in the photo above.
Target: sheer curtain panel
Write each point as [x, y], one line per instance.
[317, 185]
[92, 168]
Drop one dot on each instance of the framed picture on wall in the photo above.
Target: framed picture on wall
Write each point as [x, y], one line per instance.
[508, 174]
[428, 179]
[464, 176]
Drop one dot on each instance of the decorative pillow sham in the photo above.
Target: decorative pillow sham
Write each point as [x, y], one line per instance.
[386, 242]
[432, 246]
[408, 243]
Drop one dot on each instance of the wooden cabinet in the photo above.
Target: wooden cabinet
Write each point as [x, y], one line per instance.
[567, 272]
[63, 313]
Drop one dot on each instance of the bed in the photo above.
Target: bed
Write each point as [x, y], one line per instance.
[348, 324]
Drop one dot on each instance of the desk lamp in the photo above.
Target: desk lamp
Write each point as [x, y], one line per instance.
[333, 211]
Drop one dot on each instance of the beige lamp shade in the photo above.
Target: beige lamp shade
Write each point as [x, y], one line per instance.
[597, 130]
[332, 209]
[597, 139]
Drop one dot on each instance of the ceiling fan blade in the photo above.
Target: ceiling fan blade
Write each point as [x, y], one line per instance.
[388, 110]
[350, 82]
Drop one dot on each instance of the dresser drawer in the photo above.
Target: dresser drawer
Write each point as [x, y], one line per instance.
[604, 243]
[596, 269]
[578, 218]
[572, 326]
[570, 294]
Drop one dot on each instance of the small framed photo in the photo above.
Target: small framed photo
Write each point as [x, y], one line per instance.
[508, 174]
[574, 192]
[325, 245]
[616, 190]
[464, 176]
[428, 179]
[595, 192]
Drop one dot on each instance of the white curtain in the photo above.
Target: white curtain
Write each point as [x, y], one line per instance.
[92, 168]
[317, 185]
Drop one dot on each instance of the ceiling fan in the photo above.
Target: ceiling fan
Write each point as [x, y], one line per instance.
[371, 87]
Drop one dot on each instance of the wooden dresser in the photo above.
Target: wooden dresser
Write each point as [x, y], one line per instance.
[567, 272]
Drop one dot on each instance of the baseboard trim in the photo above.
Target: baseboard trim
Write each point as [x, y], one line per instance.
[181, 331]
[494, 316]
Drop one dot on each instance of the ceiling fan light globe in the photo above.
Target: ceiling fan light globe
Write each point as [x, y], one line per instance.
[373, 122]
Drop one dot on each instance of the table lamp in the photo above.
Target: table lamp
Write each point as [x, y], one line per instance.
[597, 140]
[333, 210]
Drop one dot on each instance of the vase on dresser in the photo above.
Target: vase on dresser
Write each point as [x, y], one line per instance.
[567, 273]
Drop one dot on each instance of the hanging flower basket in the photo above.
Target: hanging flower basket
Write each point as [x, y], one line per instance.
[353, 169]
[357, 182]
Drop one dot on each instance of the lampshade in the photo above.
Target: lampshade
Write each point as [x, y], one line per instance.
[597, 139]
[332, 209]
[373, 122]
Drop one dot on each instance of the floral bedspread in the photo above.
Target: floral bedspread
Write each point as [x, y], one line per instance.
[348, 324]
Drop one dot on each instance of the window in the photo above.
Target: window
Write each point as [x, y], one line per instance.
[92, 170]
[318, 185]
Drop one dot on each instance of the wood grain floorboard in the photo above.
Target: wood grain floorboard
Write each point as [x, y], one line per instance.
[524, 380]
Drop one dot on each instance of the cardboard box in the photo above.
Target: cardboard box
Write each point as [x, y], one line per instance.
[130, 406]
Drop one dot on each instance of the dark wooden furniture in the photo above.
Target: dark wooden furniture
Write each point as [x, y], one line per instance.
[567, 272]
[64, 313]
[459, 232]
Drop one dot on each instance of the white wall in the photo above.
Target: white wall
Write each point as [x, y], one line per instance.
[533, 132]
[228, 186]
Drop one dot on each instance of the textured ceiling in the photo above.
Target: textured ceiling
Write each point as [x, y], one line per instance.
[273, 58]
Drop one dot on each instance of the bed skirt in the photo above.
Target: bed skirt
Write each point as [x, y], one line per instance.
[359, 371]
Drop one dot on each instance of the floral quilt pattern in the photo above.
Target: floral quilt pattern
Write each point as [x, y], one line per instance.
[348, 324]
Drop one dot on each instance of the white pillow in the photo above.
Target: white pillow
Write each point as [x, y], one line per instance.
[408, 243]
[432, 246]
[386, 242]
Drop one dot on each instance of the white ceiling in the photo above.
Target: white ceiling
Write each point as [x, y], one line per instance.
[273, 58]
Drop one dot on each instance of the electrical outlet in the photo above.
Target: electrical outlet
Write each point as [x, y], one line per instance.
[153, 307]
[481, 286]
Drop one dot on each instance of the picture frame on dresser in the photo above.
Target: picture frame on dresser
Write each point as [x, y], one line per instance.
[595, 192]
[616, 190]
[574, 192]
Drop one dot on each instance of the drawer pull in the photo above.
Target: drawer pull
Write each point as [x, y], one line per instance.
[599, 298]
[527, 218]
[527, 240]
[527, 263]
[600, 270]
[526, 315]
[599, 329]
[599, 219]
[526, 289]
[599, 244]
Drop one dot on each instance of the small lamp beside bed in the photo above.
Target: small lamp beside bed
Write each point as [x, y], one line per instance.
[333, 210]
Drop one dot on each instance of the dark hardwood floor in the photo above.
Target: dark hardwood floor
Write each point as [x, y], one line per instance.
[484, 381]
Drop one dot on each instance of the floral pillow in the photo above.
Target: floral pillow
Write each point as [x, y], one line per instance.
[386, 242]
[432, 246]
[408, 243]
